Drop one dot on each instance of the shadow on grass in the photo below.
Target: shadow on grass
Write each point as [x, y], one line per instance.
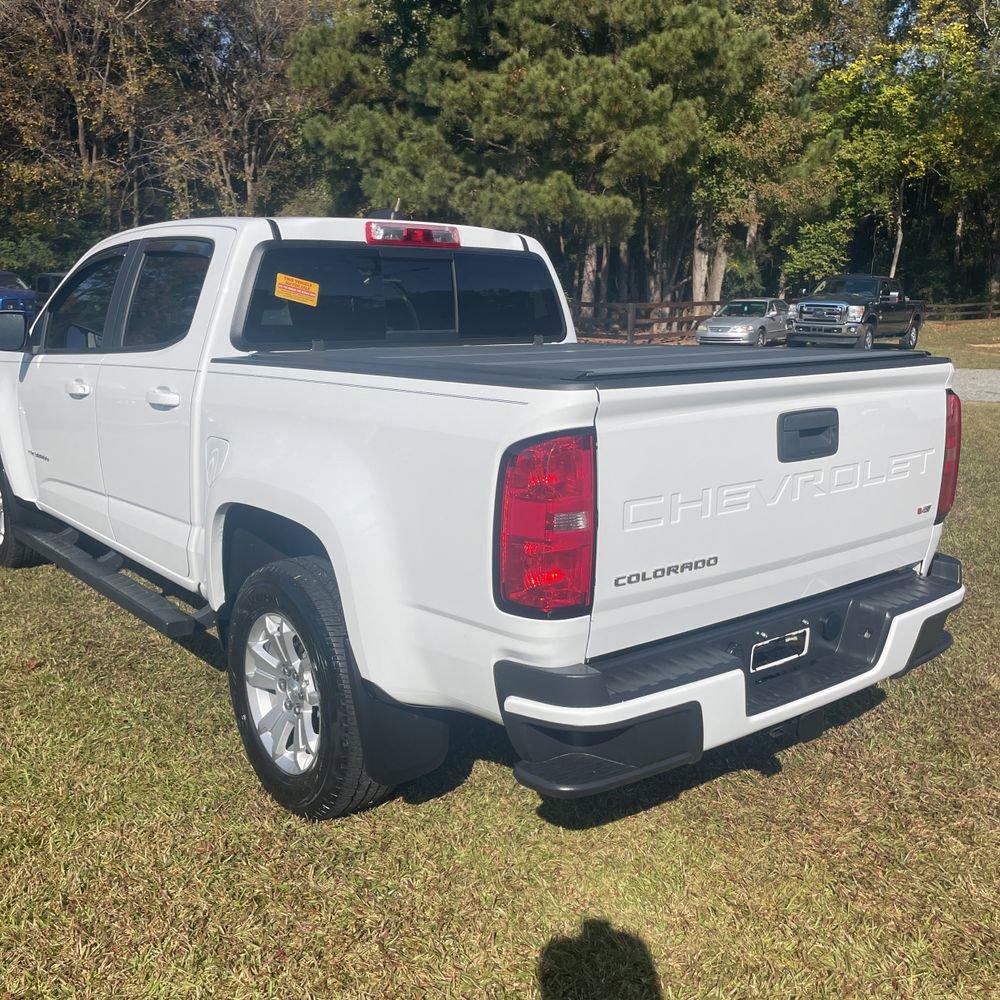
[471, 739]
[476, 739]
[208, 649]
[598, 964]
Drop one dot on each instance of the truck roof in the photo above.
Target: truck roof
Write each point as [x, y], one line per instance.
[322, 228]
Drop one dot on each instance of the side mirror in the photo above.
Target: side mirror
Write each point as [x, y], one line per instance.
[13, 330]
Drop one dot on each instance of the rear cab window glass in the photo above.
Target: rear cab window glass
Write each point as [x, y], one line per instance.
[348, 303]
[355, 294]
[167, 289]
[419, 294]
[501, 296]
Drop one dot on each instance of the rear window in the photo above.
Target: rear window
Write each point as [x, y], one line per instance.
[359, 294]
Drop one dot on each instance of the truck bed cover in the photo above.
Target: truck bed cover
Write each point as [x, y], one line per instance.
[582, 366]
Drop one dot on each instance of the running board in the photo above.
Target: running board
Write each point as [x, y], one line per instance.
[103, 573]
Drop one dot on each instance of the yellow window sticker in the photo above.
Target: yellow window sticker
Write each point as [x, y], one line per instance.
[296, 289]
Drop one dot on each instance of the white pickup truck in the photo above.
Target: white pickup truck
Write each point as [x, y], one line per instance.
[372, 455]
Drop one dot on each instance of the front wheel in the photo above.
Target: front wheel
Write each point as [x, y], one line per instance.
[290, 684]
[909, 341]
[866, 340]
[761, 338]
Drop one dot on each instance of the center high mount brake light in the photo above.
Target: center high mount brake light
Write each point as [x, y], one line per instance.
[411, 234]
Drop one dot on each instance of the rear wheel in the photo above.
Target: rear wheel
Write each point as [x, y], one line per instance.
[908, 342]
[866, 340]
[762, 337]
[290, 684]
[13, 554]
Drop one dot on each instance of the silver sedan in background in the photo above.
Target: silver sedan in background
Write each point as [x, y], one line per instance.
[746, 321]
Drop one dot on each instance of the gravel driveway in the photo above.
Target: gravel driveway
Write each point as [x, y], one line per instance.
[981, 385]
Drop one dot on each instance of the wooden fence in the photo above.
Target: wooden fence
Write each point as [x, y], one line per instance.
[628, 320]
[948, 312]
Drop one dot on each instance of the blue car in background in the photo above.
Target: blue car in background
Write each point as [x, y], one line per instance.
[15, 294]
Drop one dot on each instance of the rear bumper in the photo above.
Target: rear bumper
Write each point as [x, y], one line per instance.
[589, 728]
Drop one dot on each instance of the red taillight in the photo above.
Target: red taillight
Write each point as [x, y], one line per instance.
[547, 513]
[952, 454]
[411, 234]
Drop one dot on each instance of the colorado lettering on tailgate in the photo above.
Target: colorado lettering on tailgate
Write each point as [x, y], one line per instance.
[645, 576]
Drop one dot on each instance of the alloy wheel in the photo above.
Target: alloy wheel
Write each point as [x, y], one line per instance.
[282, 693]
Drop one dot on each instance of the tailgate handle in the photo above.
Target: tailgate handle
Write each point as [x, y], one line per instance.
[808, 434]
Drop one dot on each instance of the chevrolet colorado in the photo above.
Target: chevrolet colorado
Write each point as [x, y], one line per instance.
[855, 310]
[372, 455]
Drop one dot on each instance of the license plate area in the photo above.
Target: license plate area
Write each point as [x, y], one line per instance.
[770, 653]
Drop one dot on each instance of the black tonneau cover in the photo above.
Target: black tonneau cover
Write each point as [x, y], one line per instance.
[584, 366]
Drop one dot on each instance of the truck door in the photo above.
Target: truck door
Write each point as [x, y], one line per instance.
[57, 393]
[900, 310]
[147, 386]
[891, 308]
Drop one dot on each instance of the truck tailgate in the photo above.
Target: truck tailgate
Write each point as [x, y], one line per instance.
[701, 521]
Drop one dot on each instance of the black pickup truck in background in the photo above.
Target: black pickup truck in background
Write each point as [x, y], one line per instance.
[855, 310]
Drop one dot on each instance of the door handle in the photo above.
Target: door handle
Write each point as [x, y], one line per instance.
[78, 389]
[163, 398]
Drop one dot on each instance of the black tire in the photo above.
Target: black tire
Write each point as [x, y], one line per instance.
[908, 342]
[13, 554]
[866, 339]
[761, 338]
[305, 592]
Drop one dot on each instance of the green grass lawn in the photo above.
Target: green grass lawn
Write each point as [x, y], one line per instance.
[973, 343]
[139, 857]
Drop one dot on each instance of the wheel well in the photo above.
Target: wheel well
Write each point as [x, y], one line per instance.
[252, 538]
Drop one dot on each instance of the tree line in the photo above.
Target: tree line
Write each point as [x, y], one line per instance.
[660, 149]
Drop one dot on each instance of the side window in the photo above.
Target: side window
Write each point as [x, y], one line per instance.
[895, 286]
[883, 289]
[78, 317]
[167, 288]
